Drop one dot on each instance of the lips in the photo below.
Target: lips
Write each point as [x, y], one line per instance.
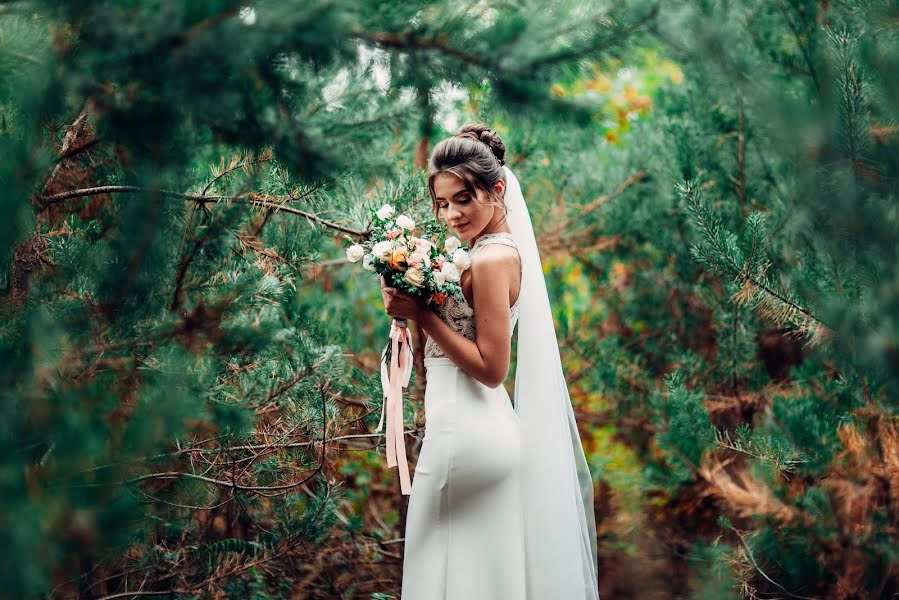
[460, 227]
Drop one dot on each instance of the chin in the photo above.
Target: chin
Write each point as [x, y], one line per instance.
[466, 234]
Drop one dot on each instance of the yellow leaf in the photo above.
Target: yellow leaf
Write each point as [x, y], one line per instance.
[643, 104]
[600, 84]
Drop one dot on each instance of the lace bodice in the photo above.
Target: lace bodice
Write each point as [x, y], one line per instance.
[458, 314]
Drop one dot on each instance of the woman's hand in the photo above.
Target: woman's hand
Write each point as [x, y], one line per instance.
[399, 304]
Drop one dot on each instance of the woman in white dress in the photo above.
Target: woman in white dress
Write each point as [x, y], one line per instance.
[501, 501]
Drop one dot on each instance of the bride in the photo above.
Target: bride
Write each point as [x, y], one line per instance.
[501, 506]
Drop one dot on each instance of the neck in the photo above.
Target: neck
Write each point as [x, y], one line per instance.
[494, 226]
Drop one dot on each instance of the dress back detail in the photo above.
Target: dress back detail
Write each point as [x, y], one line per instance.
[458, 314]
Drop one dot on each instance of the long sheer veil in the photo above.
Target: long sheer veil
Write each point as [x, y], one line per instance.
[560, 528]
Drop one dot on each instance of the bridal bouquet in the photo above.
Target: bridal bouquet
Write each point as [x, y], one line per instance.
[415, 264]
[412, 263]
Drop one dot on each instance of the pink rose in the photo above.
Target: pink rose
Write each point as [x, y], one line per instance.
[394, 233]
[420, 259]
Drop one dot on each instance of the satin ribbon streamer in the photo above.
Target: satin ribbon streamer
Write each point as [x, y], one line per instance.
[400, 371]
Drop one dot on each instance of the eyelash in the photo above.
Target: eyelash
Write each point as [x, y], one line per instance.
[463, 200]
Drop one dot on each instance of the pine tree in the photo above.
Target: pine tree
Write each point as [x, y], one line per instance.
[177, 177]
[747, 296]
[188, 373]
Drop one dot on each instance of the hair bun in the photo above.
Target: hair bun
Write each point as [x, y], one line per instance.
[487, 136]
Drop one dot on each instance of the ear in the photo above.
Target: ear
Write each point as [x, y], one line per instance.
[499, 187]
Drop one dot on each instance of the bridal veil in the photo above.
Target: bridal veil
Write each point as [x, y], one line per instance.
[559, 525]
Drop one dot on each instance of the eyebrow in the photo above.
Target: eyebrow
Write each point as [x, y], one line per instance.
[462, 191]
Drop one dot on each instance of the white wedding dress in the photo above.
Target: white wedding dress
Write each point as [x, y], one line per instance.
[465, 536]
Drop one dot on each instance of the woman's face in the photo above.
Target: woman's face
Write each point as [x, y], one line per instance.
[462, 213]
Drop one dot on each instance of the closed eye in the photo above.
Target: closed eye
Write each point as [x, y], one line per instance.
[461, 200]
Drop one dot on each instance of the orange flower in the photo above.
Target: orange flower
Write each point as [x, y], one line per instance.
[438, 297]
[398, 261]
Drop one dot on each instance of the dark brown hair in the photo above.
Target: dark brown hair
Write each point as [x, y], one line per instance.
[476, 155]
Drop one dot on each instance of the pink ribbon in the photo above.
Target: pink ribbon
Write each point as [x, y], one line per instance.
[400, 371]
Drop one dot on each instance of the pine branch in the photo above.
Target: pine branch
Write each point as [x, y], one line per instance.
[561, 235]
[725, 260]
[72, 134]
[184, 37]
[803, 47]
[415, 42]
[219, 482]
[756, 566]
[250, 447]
[616, 38]
[288, 543]
[265, 201]
[236, 164]
[24, 57]
[741, 160]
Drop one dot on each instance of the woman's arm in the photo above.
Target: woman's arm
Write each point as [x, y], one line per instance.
[487, 357]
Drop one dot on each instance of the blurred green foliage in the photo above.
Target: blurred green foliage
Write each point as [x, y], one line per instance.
[189, 369]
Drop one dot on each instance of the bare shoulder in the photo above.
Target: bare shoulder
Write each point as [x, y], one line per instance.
[495, 258]
[499, 266]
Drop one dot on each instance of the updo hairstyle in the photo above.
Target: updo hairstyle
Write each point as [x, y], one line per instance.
[476, 155]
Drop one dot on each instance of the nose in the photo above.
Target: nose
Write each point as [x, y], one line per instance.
[453, 214]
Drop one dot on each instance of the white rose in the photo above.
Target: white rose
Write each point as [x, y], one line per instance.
[355, 252]
[414, 277]
[382, 250]
[385, 212]
[439, 278]
[368, 262]
[405, 222]
[461, 259]
[452, 244]
[451, 272]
